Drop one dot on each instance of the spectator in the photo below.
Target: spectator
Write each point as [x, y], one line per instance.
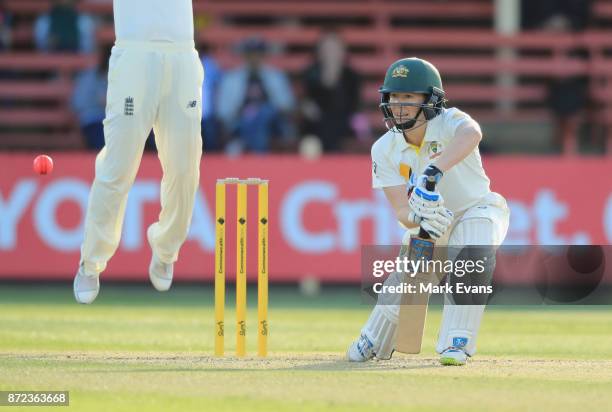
[89, 101]
[560, 14]
[5, 28]
[210, 126]
[331, 95]
[255, 102]
[568, 96]
[63, 28]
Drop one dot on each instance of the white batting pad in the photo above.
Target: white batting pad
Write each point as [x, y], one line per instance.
[460, 325]
[381, 329]
[480, 225]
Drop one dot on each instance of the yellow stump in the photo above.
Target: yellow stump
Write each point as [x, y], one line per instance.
[262, 271]
[241, 269]
[219, 269]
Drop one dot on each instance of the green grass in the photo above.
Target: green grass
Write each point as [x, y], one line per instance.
[136, 349]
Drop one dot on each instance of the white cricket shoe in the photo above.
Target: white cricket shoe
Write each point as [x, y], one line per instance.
[160, 273]
[453, 357]
[361, 350]
[86, 287]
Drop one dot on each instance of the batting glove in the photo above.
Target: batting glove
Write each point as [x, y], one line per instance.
[429, 171]
[423, 204]
[437, 223]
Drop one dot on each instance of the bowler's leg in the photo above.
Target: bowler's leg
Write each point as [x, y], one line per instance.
[130, 112]
[179, 145]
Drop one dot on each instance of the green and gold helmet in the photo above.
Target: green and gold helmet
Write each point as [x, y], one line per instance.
[412, 75]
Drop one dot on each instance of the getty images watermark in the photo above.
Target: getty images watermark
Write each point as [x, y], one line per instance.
[498, 275]
[382, 268]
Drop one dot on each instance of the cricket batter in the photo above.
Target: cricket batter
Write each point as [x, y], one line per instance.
[154, 81]
[426, 139]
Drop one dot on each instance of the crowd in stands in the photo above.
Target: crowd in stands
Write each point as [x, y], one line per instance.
[253, 107]
[254, 102]
[256, 107]
[567, 97]
[64, 29]
[249, 108]
[5, 28]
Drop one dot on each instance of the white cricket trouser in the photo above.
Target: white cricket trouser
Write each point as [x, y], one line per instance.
[150, 85]
[483, 224]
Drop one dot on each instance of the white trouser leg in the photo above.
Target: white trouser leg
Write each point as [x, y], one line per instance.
[132, 100]
[478, 226]
[179, 145]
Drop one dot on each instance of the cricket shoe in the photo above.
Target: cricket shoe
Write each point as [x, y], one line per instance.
[86, 287]
[160, 273]
[361, 350]
[453, 357]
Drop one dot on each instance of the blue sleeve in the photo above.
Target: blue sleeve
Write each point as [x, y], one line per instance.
[41, 32]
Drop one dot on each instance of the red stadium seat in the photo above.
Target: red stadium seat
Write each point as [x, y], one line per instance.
[469, 58]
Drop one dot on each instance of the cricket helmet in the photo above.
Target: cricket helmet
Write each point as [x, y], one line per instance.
[412, 75]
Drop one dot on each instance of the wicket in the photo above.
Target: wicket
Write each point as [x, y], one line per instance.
[241, 264]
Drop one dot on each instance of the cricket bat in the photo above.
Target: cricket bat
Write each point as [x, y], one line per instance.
[413, 308]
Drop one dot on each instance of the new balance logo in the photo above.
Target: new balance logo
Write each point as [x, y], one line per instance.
[192, 104]
[129, 106]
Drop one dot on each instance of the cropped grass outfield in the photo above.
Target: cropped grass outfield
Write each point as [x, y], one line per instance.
[136, 349]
